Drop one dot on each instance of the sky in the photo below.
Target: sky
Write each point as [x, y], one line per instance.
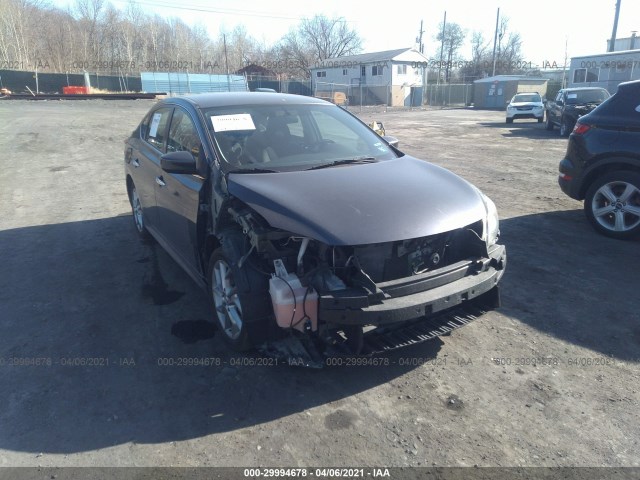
[545, 26]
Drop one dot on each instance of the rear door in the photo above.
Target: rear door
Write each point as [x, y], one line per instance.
[555, 107]
[145, 160]
[178, 195]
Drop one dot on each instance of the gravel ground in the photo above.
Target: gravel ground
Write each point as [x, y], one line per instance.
[89, 315]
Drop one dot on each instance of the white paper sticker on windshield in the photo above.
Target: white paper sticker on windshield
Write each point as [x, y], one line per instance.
[572, 95]
[239, 121]
[155, 121]
[638, 109]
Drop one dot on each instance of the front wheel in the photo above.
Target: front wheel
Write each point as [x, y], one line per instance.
[509, 120]
[239, 296]
[612, 205]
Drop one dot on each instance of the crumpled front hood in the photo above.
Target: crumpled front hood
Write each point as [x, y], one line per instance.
[364, 203]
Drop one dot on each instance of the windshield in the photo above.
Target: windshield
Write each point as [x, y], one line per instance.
[527, 98]
[291, 137]
[587, 96]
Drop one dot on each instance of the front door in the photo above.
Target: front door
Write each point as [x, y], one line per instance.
[178, 195]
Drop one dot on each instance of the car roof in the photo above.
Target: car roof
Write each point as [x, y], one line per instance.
[629, 85]
[575, 89]
[230, 99]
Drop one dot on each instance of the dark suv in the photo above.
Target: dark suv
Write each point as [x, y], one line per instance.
[570, 104]
[302, 223]
[602, 164]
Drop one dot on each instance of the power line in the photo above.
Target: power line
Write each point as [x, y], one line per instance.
[201, 8]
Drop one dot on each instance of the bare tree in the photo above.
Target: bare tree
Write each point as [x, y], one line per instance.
[452, 38]
[316, 39]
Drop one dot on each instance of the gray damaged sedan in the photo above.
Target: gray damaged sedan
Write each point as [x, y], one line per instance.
[311, 233]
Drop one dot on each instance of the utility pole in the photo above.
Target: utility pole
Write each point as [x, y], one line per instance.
[444, 26]
[612, 43]
[424, 68]
[226, 61]
[495, 43]
[419, 39]
[564, 68]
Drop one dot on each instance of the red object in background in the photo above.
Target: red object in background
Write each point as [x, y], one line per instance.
[75, 90]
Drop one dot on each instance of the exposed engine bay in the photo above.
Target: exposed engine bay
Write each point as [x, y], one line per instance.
[304, 272]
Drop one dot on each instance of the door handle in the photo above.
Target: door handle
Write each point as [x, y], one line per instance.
[136, 163]
[160, 181]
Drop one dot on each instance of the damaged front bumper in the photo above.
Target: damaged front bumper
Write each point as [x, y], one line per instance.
[418, 296]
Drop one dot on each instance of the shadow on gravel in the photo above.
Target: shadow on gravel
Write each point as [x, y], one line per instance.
[98, 339]
[567, 281]
[122, 361]
[532, 130]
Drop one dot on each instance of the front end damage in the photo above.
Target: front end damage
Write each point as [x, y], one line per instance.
[365, 299]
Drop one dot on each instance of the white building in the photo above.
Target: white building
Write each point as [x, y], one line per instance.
[392, 77]
[605, 70]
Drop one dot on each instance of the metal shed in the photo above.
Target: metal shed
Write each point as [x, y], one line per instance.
[496, 92]
[183, 83]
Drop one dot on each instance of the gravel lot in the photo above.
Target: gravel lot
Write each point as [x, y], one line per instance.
[550, 379]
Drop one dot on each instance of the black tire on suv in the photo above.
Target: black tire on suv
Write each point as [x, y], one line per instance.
[565, 127]
[549, 124]
[607, 203]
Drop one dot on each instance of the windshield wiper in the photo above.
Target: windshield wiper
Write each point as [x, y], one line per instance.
[345, 161]
[253, 170]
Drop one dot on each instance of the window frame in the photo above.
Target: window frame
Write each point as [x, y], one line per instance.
[188, 115]
[171, 109]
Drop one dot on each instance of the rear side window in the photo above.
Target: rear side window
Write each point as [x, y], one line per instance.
[183, 135]
[156, 132]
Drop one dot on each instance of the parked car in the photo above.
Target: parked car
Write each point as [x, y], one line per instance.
[602, 164]
[525, 105]
[570, 104]
[300, 221]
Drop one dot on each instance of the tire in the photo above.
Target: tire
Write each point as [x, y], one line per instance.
[565, 128]
[540, 120]
[612, 205]
[549, 124]
[239, 297]
[509, 120]
[138, 215]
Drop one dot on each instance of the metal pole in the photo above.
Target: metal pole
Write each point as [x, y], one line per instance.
[226, 62]
[495, 43]
[612, 43]
[444, 25]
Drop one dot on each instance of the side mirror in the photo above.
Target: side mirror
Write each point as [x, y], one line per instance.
[178, 162]
[393, 141]
[560, 103]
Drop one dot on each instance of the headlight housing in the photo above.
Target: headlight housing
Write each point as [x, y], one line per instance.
[491, 230]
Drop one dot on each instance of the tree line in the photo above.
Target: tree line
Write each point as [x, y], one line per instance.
[93, 35]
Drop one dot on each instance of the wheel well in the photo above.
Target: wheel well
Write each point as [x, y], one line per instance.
[603, 170]
[211, 243]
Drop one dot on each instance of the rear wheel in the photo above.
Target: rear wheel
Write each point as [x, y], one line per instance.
[138, 214]
[239, 296]
[565, 128]
[549, 125]
[612, 205]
